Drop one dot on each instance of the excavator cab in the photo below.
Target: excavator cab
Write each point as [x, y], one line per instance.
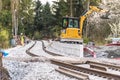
[70, 22]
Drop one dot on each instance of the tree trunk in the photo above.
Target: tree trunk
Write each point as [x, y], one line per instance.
[71, 8]
[0, 5]
[14, 10]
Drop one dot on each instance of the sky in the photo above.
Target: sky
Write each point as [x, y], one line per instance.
[44, 1]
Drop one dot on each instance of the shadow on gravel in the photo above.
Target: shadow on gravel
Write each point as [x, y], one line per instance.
[114, 53]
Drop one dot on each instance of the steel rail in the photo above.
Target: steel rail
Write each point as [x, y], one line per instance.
[30, 53]
[49, 52]
[110, 66]
[43, 47]
[72, 73]
[87, 70]
[99, 67]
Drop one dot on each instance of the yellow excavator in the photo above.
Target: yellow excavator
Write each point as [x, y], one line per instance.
[73, 26]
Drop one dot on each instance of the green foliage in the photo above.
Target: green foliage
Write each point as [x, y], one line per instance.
[47, 16]
[5, 18]
[37, 35]
[43, 19]
[6, 4]
[55, 31]
[86, 40]
[4, 37]
[5, 24]
[95, 2]
[79, 8]
[60, 9]
[38, 16]
[26, 17]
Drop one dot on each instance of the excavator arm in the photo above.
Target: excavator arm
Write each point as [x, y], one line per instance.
[83, 17]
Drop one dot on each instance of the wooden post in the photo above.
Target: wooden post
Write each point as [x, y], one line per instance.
[81, 51]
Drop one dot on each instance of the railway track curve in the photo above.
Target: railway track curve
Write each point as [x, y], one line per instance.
[43, 47]
[84, 70]
[101, 70]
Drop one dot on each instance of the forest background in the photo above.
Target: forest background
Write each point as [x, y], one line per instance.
[39, 21]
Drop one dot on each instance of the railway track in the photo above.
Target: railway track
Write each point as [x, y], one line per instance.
[84, 70]
[49, 52]
[109, 66]
[4, 75]
[98, 69]
[44, 48]
[30, 53]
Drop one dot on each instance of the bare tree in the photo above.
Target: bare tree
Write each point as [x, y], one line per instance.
[115, 28]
